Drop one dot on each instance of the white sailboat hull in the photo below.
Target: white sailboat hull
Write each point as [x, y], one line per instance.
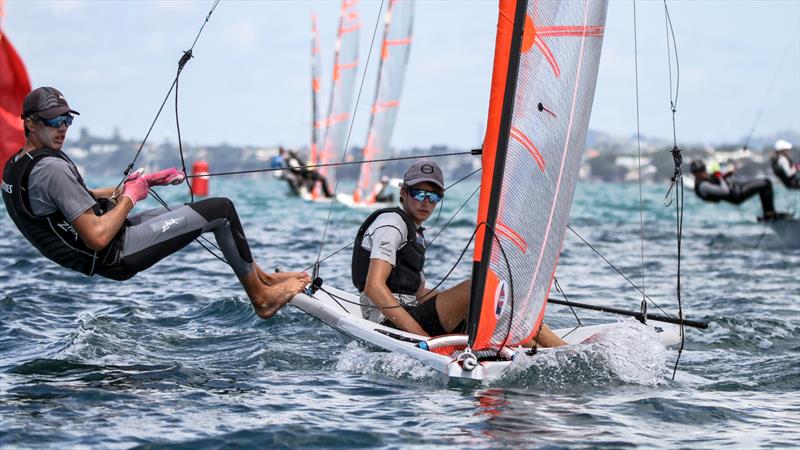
[788, 231]
[340, 310]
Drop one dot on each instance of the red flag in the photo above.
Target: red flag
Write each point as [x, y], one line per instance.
[14, 86]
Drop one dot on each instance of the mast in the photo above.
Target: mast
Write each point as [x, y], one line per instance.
[487, 213]
[315, 88]
[545, 69]
[395, 50]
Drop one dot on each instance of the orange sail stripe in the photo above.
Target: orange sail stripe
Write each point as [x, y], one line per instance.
[343, 66]
[548, 55]
[387, 43]
[504, 230]
[520, 137]
[383, 106]
[576, 30]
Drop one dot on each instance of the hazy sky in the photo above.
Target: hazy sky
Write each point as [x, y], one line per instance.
[249, 82]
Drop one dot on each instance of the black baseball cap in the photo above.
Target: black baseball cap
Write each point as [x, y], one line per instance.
[47, 103]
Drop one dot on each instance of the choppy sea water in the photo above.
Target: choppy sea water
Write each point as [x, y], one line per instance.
[176, 357]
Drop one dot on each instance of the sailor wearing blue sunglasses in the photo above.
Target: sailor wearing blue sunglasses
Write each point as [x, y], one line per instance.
[389, 257]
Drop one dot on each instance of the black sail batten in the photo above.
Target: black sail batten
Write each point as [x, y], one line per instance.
[480, 268]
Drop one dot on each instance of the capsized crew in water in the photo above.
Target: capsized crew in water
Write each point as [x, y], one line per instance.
[723, 186]
[389, 258]
[90, 230]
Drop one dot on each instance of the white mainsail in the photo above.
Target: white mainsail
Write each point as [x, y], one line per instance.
[395, 50]
[345, 65]
[316, 125]
[546, 60]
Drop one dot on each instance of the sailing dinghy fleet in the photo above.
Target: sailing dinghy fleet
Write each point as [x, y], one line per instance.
[545, 69]
[330, 134]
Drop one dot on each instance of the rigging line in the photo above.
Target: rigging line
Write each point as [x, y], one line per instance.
[574, 313]
[441, 207]
[679, 213]
[677, 178]
[187, 55]
[639, 145]
[771, 86]
[617, 270]
[336, 164]
[180, 144]
[673, 100]
[454, 216]
[350, 130]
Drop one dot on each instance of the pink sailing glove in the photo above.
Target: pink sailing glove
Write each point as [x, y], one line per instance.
[164, 177]
[135, 187]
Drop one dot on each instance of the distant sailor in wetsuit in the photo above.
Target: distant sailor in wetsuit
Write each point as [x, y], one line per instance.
[279, 161]
[784, 168]
[308, 176]
[90, 231]
[382, 194]
[720, 186]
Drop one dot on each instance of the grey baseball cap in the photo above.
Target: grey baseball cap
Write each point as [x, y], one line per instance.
[424, 170]
[47, 103]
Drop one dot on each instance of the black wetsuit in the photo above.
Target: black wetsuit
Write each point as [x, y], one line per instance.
[309, 177]
[721, 189]
[144, 239]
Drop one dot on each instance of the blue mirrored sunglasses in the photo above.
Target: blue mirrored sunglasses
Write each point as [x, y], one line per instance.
[56, 122]
[420, 195]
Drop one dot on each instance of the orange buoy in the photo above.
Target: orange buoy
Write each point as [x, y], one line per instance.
[200, 178]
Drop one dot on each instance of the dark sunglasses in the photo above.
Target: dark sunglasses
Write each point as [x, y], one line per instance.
[56, 122]
[421, 194]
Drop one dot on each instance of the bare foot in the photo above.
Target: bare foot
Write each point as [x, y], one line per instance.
[272, 298]
[276, 277]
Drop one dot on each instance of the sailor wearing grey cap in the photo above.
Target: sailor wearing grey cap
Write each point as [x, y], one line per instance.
[389, 258]
[89, 230]
[784, 168]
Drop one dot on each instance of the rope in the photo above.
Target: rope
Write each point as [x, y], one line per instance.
[639, 146]
[616, 269]
[437, 234]
[677, 178]
[187, 55]
[337, 164]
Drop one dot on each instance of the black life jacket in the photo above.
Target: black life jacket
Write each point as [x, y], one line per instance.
[705, 197]
[785, 179]
[53, 235]
[406, 275]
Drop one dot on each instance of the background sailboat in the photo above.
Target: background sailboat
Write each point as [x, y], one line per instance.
[345, 65]
[395, 51]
